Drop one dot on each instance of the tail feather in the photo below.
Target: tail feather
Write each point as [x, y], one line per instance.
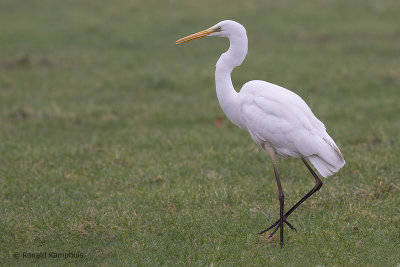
[327, 168]
[328, 160]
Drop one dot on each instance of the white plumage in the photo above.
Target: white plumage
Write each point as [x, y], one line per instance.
[282, 119]
[277, 119]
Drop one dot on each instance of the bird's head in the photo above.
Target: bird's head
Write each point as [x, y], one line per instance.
[225, 28]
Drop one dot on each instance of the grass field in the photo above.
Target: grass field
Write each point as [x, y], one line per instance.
[109, 146]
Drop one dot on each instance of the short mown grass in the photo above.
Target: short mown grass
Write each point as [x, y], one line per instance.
[112, 143]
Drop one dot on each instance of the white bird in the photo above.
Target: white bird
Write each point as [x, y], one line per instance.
[278, 120]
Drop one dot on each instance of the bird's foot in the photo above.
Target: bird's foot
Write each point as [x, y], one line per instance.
[277, 224]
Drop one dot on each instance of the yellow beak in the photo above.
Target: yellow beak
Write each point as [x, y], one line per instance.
[195, 36]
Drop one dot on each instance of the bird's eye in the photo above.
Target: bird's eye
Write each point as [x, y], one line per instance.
[217, 29]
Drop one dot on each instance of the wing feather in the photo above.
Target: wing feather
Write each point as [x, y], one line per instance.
[282, 119]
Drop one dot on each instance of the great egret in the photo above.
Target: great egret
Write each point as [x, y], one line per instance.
[278, 120]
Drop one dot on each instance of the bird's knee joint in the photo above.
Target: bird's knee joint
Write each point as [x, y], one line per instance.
[319, 184]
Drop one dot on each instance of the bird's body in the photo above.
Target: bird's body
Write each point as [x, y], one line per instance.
[277, 119]
[280, 118]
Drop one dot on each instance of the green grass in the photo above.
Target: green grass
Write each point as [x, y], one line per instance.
[109, 146]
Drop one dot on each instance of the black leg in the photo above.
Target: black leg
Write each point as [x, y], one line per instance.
[281, 197]
[318, 185]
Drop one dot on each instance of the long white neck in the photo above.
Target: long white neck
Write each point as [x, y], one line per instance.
[227, 96]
